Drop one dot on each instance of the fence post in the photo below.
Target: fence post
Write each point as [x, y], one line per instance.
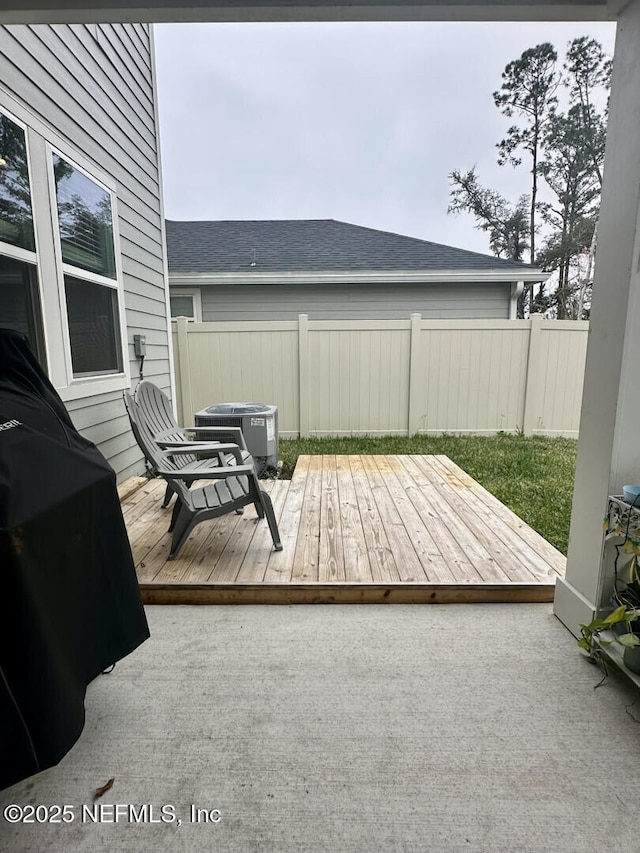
[303, 373]
[533, 389]
[182, 328]
[415, 369]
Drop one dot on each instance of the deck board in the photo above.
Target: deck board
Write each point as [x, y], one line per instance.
[256, 558]
[331, 564]
[354, 545]
[305, 558]
[354, 529]
[379, 553]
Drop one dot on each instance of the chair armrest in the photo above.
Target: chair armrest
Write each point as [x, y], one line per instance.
[189, 475]
[213, 430]
[207, 451]
[200, 447]
[191, 446]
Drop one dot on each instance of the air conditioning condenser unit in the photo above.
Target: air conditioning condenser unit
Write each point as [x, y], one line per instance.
[259, 425]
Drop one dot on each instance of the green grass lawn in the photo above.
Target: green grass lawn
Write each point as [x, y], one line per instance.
[532, 476]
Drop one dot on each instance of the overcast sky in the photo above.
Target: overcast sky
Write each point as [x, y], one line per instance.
[357, 122]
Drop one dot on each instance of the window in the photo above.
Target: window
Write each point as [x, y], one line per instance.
[92, 312]
[60, 276]
[84, 219]
[85, 232]
[186, 303]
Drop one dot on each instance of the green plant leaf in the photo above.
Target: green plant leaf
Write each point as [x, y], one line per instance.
[596, 625]
[618, 615]
[629, 640]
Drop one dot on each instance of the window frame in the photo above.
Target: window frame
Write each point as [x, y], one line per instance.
[18, 253]
[196, 296]
[27, 256]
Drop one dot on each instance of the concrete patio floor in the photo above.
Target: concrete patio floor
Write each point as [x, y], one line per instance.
[373, 728]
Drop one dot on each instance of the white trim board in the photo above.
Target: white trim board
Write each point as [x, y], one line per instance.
[158, 11]
[350, 277]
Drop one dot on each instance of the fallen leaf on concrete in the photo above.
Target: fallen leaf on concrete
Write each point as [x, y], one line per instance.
[103, 790]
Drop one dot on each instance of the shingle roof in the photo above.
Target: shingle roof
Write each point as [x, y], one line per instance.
[310, 245]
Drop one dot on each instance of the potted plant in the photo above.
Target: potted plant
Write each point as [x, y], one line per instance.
[628, 592]
[620, 622]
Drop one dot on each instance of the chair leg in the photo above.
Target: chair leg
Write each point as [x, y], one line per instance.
[175, 513]
[271, 520]
[184, 524]
[168, 492]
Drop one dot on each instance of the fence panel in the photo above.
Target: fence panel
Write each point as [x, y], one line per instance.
[389, 377]
[249, 362]
[562, 355]
[359, 379]
[472, 378]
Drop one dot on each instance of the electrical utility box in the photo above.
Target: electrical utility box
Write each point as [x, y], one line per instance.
[259, 425]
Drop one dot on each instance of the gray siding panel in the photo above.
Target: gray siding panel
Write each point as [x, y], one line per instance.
[92, 86]
[140, 205]
[133, 83]
[361, 302]
[88, 121]
[130, 218]
[138, 36]
[136, 262]
[98, 82]
[142, 240]
[154, 325]
[127, 464]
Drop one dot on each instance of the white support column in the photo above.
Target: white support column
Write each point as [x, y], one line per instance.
[609, 446]
[185, 370]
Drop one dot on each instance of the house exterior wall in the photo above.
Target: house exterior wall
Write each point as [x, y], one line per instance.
[358, 302]
[90, 88]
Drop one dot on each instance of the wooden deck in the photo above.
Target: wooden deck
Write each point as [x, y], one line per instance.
[355, 529]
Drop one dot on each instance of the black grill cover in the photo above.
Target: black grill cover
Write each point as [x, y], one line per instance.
[70, 605]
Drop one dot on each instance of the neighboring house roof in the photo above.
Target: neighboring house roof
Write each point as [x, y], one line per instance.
[318, 246]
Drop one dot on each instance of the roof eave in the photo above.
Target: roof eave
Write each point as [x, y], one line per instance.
[346, 277]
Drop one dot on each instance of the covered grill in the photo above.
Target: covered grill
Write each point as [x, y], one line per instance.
[69, 600]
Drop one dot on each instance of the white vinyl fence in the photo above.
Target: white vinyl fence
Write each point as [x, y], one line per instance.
[389, 377]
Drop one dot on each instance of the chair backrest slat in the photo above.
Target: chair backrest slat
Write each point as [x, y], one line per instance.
[156, 407]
